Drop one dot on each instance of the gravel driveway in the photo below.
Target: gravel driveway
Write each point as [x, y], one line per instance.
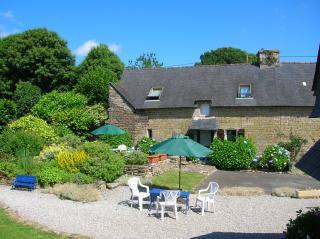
[235, 217]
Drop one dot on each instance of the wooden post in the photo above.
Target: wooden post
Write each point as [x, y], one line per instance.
[180, 174]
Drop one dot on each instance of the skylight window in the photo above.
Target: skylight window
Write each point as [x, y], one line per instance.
[154, 93]
[245, 91]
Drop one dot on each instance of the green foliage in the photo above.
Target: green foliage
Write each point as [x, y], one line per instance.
[227, 55]
[145, 143]
[95, 84]
[275, 158]
[294, 145]
[80, 178]
[26, 163]
[50, 174]
[69, 110]
[70, 140]
[71, 160]
[14, 141]
[148, 60]
[306, 225]
[115, 140]
[102, 162]
[101, 56]
[8, 169]
[233, 155]
[7, 111]
[35, 125]
[38, 56]
[26, 96]
[136, 158]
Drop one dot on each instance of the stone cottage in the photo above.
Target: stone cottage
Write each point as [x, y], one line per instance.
[265, 102]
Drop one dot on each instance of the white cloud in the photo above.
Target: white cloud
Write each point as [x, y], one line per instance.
[114, 47]
[84, 49]
[7, 14]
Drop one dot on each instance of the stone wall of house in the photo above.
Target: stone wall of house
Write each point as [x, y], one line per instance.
[265, 125]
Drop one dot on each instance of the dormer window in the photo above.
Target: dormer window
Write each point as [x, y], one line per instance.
[244, 91]
[205, 110]
[154, 93]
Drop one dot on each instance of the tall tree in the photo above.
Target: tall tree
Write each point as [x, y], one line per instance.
[101, 56]
[227, 55]
[37, 56]
[148, 60]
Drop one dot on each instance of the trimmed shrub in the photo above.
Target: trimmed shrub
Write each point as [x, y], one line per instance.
[71, 160]
[306, 225]
[136, 158]
[50, 174]
[102, 162]
[115, 140]
[7, 111]
[36, 125]
[26, 96]
[145, 143]
[8, 169]
[14, 141]
[233, 155]
[80, 178]
[95, 84]
[275, 158]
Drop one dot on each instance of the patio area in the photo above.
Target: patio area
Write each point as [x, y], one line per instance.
[111, 217]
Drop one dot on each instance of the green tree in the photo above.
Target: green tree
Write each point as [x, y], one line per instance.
[26, 96]
[227, 55]
[101, 56]
[38, 56]
[148, 60]
[7, 111]
[95, 84]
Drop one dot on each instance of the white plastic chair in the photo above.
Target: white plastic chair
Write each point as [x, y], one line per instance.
[206, 196]
[122, 147]
[168, 199]
[134, 184]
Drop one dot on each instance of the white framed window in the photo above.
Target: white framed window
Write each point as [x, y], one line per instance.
[154, 93]
[205, 110]
[244, 91]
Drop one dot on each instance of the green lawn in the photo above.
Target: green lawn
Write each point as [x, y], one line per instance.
[170, 180]
[10, 229]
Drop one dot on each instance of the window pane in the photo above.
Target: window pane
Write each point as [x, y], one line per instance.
[205, 109]
[244, 91]
[231, 135]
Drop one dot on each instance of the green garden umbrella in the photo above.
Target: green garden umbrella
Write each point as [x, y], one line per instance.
[181, 145]
[108, 129]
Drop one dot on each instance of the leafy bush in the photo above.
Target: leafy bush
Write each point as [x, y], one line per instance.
[7, 111]
[306, 225]
[14, 141]
[115, 140]
[294, 145]
[36, 125]
[50, 174]
[275, 158]
[50, 152]
[69, 110]
[80, 178]
[102, 162]
[26, 162]
[70, 140]
[8, 169]
[74, 192]
[145, 143]
[233, 155]
[95, 84]
[26, 96]
[136, 158]
[71, 160]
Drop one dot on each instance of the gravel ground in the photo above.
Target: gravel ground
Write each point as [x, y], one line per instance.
[235, 217]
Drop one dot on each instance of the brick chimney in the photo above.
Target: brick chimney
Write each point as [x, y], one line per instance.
[268, 58]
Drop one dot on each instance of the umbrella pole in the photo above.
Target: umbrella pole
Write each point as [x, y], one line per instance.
[180, 173]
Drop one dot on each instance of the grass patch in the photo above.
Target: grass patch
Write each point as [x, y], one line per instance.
[284, 192]
[241, 191]
[75, 192]
[170, 180]
[9, 229]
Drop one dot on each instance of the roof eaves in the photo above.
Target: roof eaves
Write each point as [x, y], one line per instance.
[316, 79]
[122, 94]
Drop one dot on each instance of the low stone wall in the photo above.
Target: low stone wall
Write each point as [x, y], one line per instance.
[137, 170]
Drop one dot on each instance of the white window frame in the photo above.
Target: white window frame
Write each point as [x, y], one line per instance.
[155, 92]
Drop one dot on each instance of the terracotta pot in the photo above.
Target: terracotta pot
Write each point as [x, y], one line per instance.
[152, 159]
[162, 157]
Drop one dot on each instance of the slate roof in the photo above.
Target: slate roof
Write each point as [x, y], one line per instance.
[316, 80]
[182, 86]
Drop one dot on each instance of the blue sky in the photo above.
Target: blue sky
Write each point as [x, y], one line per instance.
[177, 31]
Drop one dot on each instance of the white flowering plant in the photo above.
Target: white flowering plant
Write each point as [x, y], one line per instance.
[145, 143]
[275, 158]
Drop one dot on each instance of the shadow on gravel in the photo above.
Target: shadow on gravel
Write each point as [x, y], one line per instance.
[240, 235]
